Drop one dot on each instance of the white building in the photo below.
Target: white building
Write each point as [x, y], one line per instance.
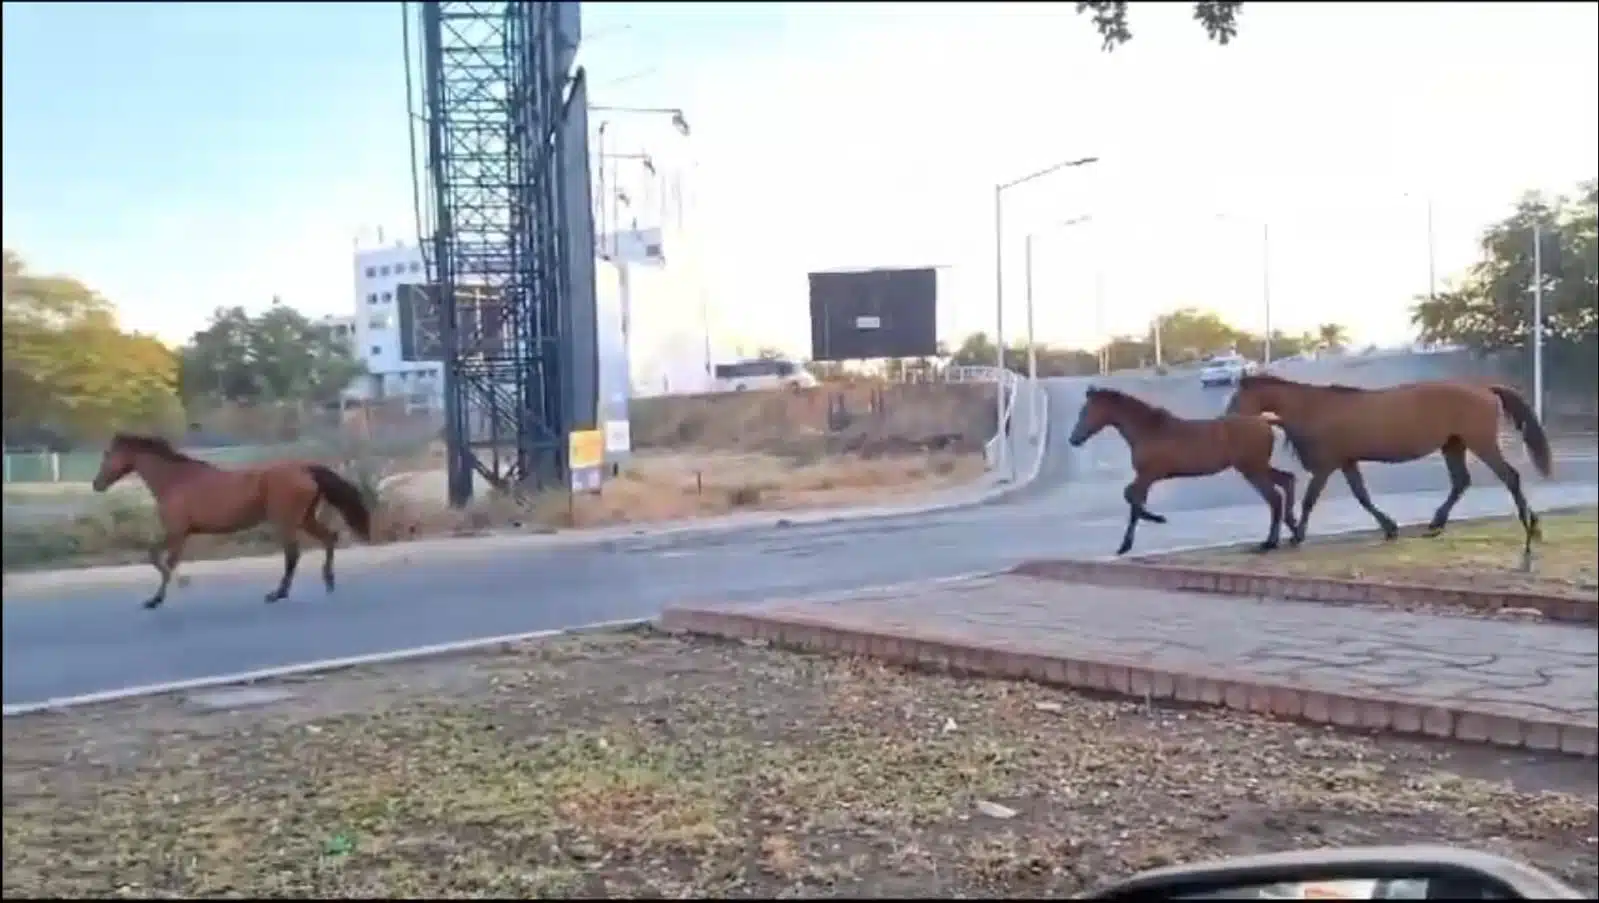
[379, 272]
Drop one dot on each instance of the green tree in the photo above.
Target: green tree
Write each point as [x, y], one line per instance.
[70, 371]
[1218, 17]
[279, 356]
[1490, 307]
[1332, 337]
[1190, 334]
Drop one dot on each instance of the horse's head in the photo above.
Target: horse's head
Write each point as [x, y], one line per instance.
[116, 463]
[1098, 412]
[1263, 394]
[122, 457]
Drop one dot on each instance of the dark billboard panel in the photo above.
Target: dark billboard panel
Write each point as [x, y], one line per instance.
[874, 314]
[479, 319]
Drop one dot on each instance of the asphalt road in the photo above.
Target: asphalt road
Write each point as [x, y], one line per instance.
[85, 632]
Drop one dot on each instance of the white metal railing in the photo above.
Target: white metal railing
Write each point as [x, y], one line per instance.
[1014, 385]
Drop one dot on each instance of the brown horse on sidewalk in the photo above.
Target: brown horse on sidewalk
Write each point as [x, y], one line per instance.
[195, 498]
[1164, 445]
[1345, 426]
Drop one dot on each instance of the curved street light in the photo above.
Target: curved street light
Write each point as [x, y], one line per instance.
[1027, 282]
[999, 280]
[1265, 277]
[679, 121]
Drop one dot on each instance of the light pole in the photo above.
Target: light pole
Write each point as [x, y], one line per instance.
[1265, 279]
[1432, 247]
[1032, 346]
[1537, 319]
[999, 279]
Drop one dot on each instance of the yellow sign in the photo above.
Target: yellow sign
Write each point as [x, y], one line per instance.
[585, 449]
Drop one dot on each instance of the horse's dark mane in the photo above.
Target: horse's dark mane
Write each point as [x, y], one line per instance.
[153, 445]
[1269, 379]
[1133, 406]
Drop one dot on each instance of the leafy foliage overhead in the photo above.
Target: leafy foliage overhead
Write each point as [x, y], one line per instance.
[1218, 17]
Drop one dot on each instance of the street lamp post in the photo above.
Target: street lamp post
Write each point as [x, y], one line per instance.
[1432, 247]
[999, 280]
[1265, 279]
[1537, 319]
[1032, 346]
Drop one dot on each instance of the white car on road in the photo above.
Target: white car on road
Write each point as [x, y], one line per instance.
[1226, 370]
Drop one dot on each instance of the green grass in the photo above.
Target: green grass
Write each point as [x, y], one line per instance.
[1483, 555]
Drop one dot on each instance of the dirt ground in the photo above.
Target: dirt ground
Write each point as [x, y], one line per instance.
[631, 765]
[1481, 555]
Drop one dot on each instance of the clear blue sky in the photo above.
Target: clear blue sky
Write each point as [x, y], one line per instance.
[182, 156]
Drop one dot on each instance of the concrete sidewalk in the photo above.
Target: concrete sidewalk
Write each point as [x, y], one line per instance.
[1505, 682]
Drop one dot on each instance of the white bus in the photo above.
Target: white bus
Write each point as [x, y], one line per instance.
[762, 374]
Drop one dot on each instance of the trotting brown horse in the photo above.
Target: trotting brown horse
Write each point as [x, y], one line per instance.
[193, 497]
[1164, 445]
[1345, 426]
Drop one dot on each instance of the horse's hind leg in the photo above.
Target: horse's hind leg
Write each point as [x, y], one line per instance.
[1318, 482]
[170, 548]
[1284, 481]
[329, 538]
[1357, 488]
[1265, 483]
[1454, 452]
[291, 560]
[1512, 479]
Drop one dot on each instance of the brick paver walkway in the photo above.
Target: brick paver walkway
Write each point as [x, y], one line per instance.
[1507, 682]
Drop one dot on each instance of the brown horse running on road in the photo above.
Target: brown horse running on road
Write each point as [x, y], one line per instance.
[1345, 426]
[193, 497]
[1164, 445]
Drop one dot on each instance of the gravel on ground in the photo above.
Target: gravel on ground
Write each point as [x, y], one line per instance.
[636, 764]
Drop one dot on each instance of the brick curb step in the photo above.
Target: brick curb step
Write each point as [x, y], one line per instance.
[925, 648]
[1189, 578]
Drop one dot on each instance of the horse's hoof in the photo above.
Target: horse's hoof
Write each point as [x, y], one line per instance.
[1157, 518]
[1269, 545]
[1125, 548]
[275, 596]
[1295, 541]
[153, 603]
[1433, 531]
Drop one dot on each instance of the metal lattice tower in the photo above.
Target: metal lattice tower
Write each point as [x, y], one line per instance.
[493, 109]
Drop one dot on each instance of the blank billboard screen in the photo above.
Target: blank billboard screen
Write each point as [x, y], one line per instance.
[874, 314]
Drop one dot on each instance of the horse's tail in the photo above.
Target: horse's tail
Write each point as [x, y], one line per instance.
[1298, 443]
[1525, 420]
[345, 497]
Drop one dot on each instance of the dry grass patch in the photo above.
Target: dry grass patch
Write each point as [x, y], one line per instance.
[639, 765]
[1479, 555]
[120, 527]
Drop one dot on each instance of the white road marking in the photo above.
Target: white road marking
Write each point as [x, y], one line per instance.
[316, 667]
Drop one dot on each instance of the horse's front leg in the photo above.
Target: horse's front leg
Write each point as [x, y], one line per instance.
[1136, 493]
[165, 555]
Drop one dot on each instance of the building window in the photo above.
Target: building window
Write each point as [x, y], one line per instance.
[376, 351]
[416, 267]
[372, 298]
[388, 296]
[371, 271]
[383, 271]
